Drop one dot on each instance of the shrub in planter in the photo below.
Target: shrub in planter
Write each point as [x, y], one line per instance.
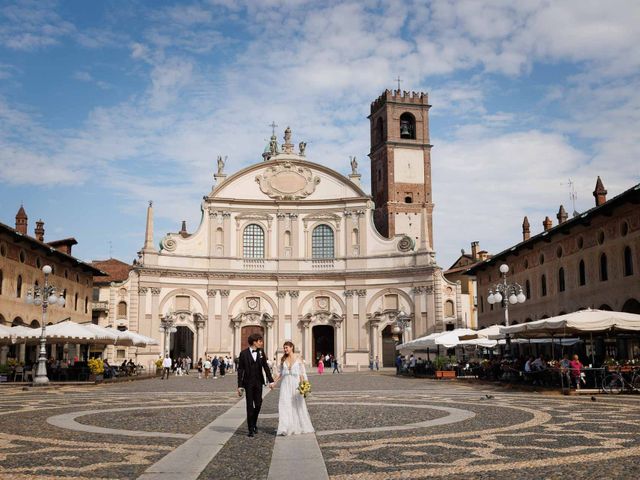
[96, 366]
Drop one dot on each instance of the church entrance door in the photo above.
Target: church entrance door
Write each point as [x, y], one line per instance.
[181, 343]
[389, 346]
[323, 342]
[248, 330]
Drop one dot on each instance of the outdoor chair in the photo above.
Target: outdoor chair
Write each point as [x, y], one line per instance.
[28, 375]
[19, 372]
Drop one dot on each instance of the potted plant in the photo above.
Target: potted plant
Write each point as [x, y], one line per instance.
[96, 368]
[158, 367]
[444, 368]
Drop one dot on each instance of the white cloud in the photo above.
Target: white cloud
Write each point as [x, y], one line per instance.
[31, 25]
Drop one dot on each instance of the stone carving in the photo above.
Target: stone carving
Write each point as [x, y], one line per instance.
[225, 293]
[142, 290]
[406, 244]
[211, 292]
[362, 293]
[281, 293]
[286, 181]
[168, 244]
[354, 165]
[253, 303]
[419, 289]
[155, 291]
[349, 293]
[221, 164]
[302, 146]
[294, 293]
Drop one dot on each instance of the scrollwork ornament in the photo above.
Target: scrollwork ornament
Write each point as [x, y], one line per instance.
[142, 290]
[362, 292]
[169, 244]
[225, 293]
[294, 293]
[211, 292]
[406, 244]
[155, 291]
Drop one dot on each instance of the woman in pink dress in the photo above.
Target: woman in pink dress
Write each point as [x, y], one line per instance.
[321, 365]
[575, 368]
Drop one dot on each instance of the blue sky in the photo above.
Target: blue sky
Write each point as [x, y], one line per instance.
[105, 105]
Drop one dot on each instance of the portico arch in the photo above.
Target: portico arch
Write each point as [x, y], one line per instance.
[184, 291]
[386, 291]
[321, 293]
[253, 293]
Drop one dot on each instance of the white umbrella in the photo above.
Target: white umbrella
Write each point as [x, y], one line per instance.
[451, 338]
[138, 339]
[492, 332]
[419, 343]
[575, 323]
[115, 337]
[66, 331]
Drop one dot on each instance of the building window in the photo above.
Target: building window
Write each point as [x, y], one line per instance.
[628, 265]
[253, 241]
[379, 131]
[604, 274]
[1, 279]
[22, 256]
[580, 242]
[86, 304]
[322, 242]
[600, 237]
[481, 304]
[582, 273]
[448, 308]
[527, 288]
[541, 259]
[561, 286]
[19, 286]
[122, 309]
[624, 229]
[96, 294]
[543, 285]
[559, 252]
[407, 126]
[183, 303]
[75, 302]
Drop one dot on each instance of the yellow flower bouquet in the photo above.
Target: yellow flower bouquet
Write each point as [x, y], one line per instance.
[304, 388]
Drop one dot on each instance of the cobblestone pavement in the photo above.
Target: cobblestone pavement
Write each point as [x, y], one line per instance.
[368, 426]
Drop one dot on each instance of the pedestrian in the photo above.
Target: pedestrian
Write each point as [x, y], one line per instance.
[179, 367]
[371, 362]
[223, 367]
[377, 362]
[336, 366]
[199, 365]
[215, 363]
[321, 365]
[576, 368]
[398, 364]
[166, 366]
[207, 367]
[186, 365]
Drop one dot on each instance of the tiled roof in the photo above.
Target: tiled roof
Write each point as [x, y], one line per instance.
[116, 270]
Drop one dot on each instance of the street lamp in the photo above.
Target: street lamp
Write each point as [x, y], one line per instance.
[43, 296]
[402, 322]
[506, 294]
[167, 325]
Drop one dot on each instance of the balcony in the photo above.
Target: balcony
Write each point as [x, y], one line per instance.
[253, 263]
[323, 264]
[100, 306]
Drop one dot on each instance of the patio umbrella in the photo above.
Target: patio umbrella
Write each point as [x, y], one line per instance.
[66, 331]
[115, 337]
[492, 332]
[137, 339]
[451, 338]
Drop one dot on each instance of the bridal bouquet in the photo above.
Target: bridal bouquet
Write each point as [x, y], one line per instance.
[304, 388]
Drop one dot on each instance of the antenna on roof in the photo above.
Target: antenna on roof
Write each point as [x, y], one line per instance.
[572, 195]
[398, 80]
[110, 248]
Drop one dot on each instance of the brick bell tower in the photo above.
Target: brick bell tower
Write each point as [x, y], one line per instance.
[401, 165]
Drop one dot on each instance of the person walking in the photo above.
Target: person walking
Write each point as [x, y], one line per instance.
[223, 367]
[252, 363]
[199, 366]
[166, 366]
[207, 368]
[377, 363]
[336, 366]
[214, 366]
[398, 364]
[321, 365]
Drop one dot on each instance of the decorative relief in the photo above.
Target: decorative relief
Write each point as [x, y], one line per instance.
[286, 181]
[419, 289]
[253, 303]
[168, 244]
[225, 293]
[406, 244]
[142, 290]
[155, 291]
[281, 293]
[294, 293]
[322, 303]
[362, 293]
[211, 292]
[349, 293]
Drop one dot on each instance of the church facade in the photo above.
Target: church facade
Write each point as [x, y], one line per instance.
[297, 251]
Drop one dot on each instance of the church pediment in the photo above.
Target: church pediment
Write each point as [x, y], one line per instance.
[287, 181]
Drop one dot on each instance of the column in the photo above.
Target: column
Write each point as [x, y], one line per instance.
[4, 352]
[214, 333]
[280, 228]
[279, 329]
[236, 337]
[362, 318]
[351, 326]
[295, 241]
[430, 309]
[143, 327]
[155, 312]
[306, 351]
[22, 353]
[268, 243]
[339, 335]
[374, 323]
[200, 322]
[295, 332]
[419, 328]
[224, 318]
[226, 220]
[269, 341]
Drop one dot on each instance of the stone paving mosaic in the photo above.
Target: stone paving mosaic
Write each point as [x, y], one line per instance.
[492, 433]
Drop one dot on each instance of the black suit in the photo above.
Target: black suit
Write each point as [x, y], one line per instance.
[250, 378]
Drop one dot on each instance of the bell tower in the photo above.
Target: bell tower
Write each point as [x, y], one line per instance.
[401, 166]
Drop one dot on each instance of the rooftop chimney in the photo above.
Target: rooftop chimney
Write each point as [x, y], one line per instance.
[183, 230]
[474, 250]
[39, 230]
[547, 223]
[562, 215]
[526, 231]
[21, 221]
[600, 193]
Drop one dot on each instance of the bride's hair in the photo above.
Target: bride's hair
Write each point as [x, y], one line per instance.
[293, 349]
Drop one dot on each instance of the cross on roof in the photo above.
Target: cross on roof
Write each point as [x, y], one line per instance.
[273, 127]
[398, 80]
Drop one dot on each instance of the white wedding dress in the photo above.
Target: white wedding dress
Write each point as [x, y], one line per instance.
[293, 417]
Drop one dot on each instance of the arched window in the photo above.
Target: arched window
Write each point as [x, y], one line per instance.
[75, 302]
[481, 304]
[322, 242]
[561, 285]
[1, 279]
[19, 286]
[122, 309]
[448, 308]
[407, 126]
[287, 238]
[379, 131]
[543, 286]
[219, 236]
[628, 265]
[604, 274]
[527, 288]
[582, 273]
[86, 304]
[253, 241]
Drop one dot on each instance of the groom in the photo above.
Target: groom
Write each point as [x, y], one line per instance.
[251, 362]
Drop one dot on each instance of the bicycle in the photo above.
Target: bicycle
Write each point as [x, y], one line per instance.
[616, 383]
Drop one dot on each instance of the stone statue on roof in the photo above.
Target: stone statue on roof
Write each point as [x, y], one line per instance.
[354, 165]
[221, 164]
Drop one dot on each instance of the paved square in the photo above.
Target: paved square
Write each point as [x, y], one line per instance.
[368, 426]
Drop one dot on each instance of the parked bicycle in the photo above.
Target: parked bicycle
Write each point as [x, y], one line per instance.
[616, 382]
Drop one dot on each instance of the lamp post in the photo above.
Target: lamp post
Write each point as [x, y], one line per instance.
[402, 322]
[167, 325]
[43, 296]
[506, 293]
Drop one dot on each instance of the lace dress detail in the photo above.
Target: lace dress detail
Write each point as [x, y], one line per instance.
[293, 417]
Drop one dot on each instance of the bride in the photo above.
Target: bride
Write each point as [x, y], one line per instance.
[292, 409]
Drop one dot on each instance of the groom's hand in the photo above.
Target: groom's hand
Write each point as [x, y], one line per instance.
[271, 385]
[239, 391]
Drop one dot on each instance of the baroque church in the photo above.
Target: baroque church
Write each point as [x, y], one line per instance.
[297, 251]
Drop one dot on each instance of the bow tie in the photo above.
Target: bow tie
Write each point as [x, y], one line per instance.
[254, 351]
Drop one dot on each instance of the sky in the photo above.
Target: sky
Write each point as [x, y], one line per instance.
[106, 105]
